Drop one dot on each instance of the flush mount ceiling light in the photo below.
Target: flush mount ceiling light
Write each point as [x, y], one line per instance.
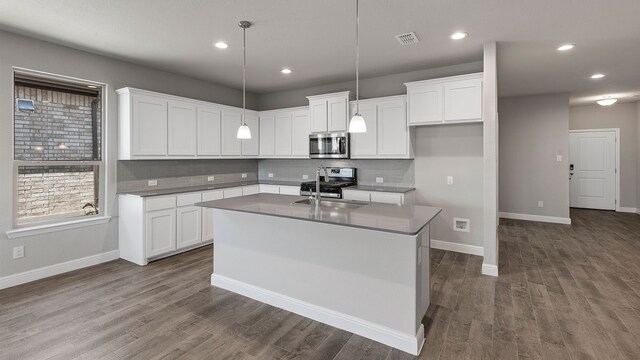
[286, 71]
[357, 123]
[459, 35]
[221, 45]
[597, 76]
[243, 131]
[607, 102]
[566, 47]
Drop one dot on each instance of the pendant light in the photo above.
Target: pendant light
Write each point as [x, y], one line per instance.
[243, 131]
[357, 124]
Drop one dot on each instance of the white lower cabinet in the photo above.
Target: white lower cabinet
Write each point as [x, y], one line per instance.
[406, 198]
[160, 235]
[189, 228]
[269, 189]
[290, 190]
[207, 214]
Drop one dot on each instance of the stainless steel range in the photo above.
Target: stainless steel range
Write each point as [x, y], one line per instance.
[338, 178]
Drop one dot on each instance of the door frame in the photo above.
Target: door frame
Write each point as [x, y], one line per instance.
[617, 170]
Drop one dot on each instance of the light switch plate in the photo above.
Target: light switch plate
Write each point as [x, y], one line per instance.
[210, 178]
[379, 180]
[152, 183]
[18, 252]
[305, 177]
[540, 204]
[449, 180]
[244, 175]
[559, 158]
[270, 175]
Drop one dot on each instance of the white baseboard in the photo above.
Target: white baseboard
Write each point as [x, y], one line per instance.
[47, 271]
[461, 248]
[411, 344]
[541, 218]
[488, 269]
[627, 210]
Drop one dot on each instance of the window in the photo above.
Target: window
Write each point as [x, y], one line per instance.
[57, 149]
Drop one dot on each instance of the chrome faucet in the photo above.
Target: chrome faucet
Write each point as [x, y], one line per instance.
[326, 179]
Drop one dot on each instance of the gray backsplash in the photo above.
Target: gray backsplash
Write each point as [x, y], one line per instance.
[394, 172]
[133, 175]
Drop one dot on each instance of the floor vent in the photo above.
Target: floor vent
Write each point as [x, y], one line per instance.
[407, 38]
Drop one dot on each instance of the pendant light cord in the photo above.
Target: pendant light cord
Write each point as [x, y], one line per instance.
[244, 76]
[357, 59]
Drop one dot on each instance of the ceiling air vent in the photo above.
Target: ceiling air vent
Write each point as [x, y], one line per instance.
[407, 38]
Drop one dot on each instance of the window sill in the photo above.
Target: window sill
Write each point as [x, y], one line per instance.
[49, 228]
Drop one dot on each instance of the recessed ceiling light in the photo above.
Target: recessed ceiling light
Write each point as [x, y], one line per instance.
[597, 76]
[459, 35]
[607, 102]
[221, 45]
[566, 47]
[286, 71]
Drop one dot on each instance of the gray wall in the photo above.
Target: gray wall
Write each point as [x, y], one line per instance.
[533, 130]
[61, 246]
[451, 150]
[638, 158]
[369, 88]
[394, 172]
[625, 117]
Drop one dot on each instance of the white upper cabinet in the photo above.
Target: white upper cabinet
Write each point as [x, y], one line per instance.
[283, 133]
[366, 144]
[231, 121]
[148, 126]
[329, 112]
[300, 129]
[182, 128]
[209, 122]
[387, 135]
[251, 147]
[267, 135]
[446, 100]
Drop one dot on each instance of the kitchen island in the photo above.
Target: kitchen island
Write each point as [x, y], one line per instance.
[361, 267]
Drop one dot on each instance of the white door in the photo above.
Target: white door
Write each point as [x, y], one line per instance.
[283, 134]
[365, 145]
[337, 114]
[300, 128]
[188, 226]
[231, 121]
[593, 178]
[318, 113]
[251, 147]
[182, 128]
[149, 126]
[392, 129]
[208, 131]
[267, 135]
[160, 232]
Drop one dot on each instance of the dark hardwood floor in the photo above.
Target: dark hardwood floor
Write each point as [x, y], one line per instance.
[564, 292]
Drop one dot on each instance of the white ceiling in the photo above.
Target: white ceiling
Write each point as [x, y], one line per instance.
[316, 38]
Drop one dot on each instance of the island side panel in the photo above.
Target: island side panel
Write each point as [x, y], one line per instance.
[365, 274]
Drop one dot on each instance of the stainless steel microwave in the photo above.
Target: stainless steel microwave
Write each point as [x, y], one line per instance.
[329, 146]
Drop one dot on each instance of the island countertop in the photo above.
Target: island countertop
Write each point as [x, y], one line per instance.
[402, 219]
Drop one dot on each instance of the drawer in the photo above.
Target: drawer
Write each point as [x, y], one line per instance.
[250, 190]
[356, 195]
[188, 199]
[212, 195]
[160, 203]
[387, 198]
[270, 189]
[232, 192]
[290, 190]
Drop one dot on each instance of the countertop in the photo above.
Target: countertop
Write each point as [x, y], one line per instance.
[187, 189]
[390, 189]
[402, 219]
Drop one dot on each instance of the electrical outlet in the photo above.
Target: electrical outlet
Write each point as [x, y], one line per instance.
[462, 225]
[379, 180]
[152, 183]
[244, 175]
[559, 158]
[18, 252]
[305, 177]
[270, 175]
[540, 204]
[449, 180]
[210, 178]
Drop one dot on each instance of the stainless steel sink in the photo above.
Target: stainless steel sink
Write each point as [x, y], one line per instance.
[336, 204]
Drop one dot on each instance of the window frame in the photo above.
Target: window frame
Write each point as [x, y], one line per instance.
[101, 164]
